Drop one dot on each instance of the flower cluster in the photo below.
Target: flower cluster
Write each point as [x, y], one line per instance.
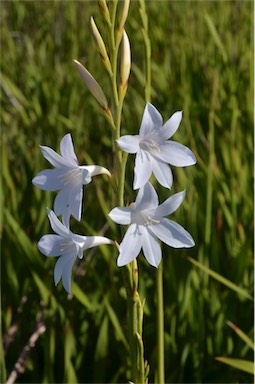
[146, 217]
[68, 178]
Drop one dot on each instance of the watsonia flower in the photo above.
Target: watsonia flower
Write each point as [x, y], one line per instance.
[153, 149]
[68, 246]
[148, 226]
[68, 177]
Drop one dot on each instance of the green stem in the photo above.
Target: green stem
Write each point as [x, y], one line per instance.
[160, 324]
[132, 326]
[118, 104]
[130, 272]
[211, 139]
[147, 44]
[114, 47]
[135, 319]
[209, 192]
[159, 272]
[122, 179]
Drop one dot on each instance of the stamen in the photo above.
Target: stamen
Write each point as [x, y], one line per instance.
[136, 231]
[151, 221]
[64, 245]
[69, 176]
[149, 145]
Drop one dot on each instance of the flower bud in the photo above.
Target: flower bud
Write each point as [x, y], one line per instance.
[92, 85]
[123, 15]
[104, 11]
[101, 46]
[125, 63]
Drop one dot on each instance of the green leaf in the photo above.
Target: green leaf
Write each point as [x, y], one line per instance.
[102, 341]
[102, 352]
[243, 365]
[216, 37]
[23, 240]
[70, 350]
[44, 291]
[82, 297]
[221, 279]
[116, 324]
[241, 334]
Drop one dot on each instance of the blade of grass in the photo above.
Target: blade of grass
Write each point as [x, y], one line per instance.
[82, 298]
[243, 365]
[221, 279]
[115, 322]
[241, 334]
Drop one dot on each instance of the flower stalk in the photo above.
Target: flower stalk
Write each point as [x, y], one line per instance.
[146, 217]
[147, 44]
[160, 325]
[119, 87]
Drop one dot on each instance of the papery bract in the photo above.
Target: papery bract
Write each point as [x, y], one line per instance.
[68, 246]
[68, 177]
[148, 226]
[153, 149]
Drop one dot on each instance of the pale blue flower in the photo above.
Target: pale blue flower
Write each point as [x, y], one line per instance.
[67, 177]
[153, 149]
[148, 225]
[68, 246]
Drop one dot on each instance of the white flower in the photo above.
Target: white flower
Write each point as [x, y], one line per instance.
[148, 225]
[153, 150]
[68, 246]
[68, 177]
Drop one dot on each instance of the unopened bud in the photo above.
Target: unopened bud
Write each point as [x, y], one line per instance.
[104, 10]
[125, 62]
[123, 15]
[92, 85]
[101, 46]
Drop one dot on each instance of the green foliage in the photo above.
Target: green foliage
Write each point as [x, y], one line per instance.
[202, 63]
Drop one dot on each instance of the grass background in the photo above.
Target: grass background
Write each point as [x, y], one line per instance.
[202, 63]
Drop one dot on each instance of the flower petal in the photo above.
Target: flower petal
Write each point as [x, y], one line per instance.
[61, 201]
[176, 154]
[130, 246]
[129, 143]
[66, 217]
[146, 198]
[75, 201]
[170, 205]
[54, 158]
[172, 234]
[86, 242]
[57, 226]
[162, 172]
[142, 169]
[170, 126]
[51, 245]
[85, 175]
[151, 121]
[67, 274]
[69, 202]
[48, 180]
[63, 268]
[95, 170]
[121, 215]
[67, 149]
[151, 248]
